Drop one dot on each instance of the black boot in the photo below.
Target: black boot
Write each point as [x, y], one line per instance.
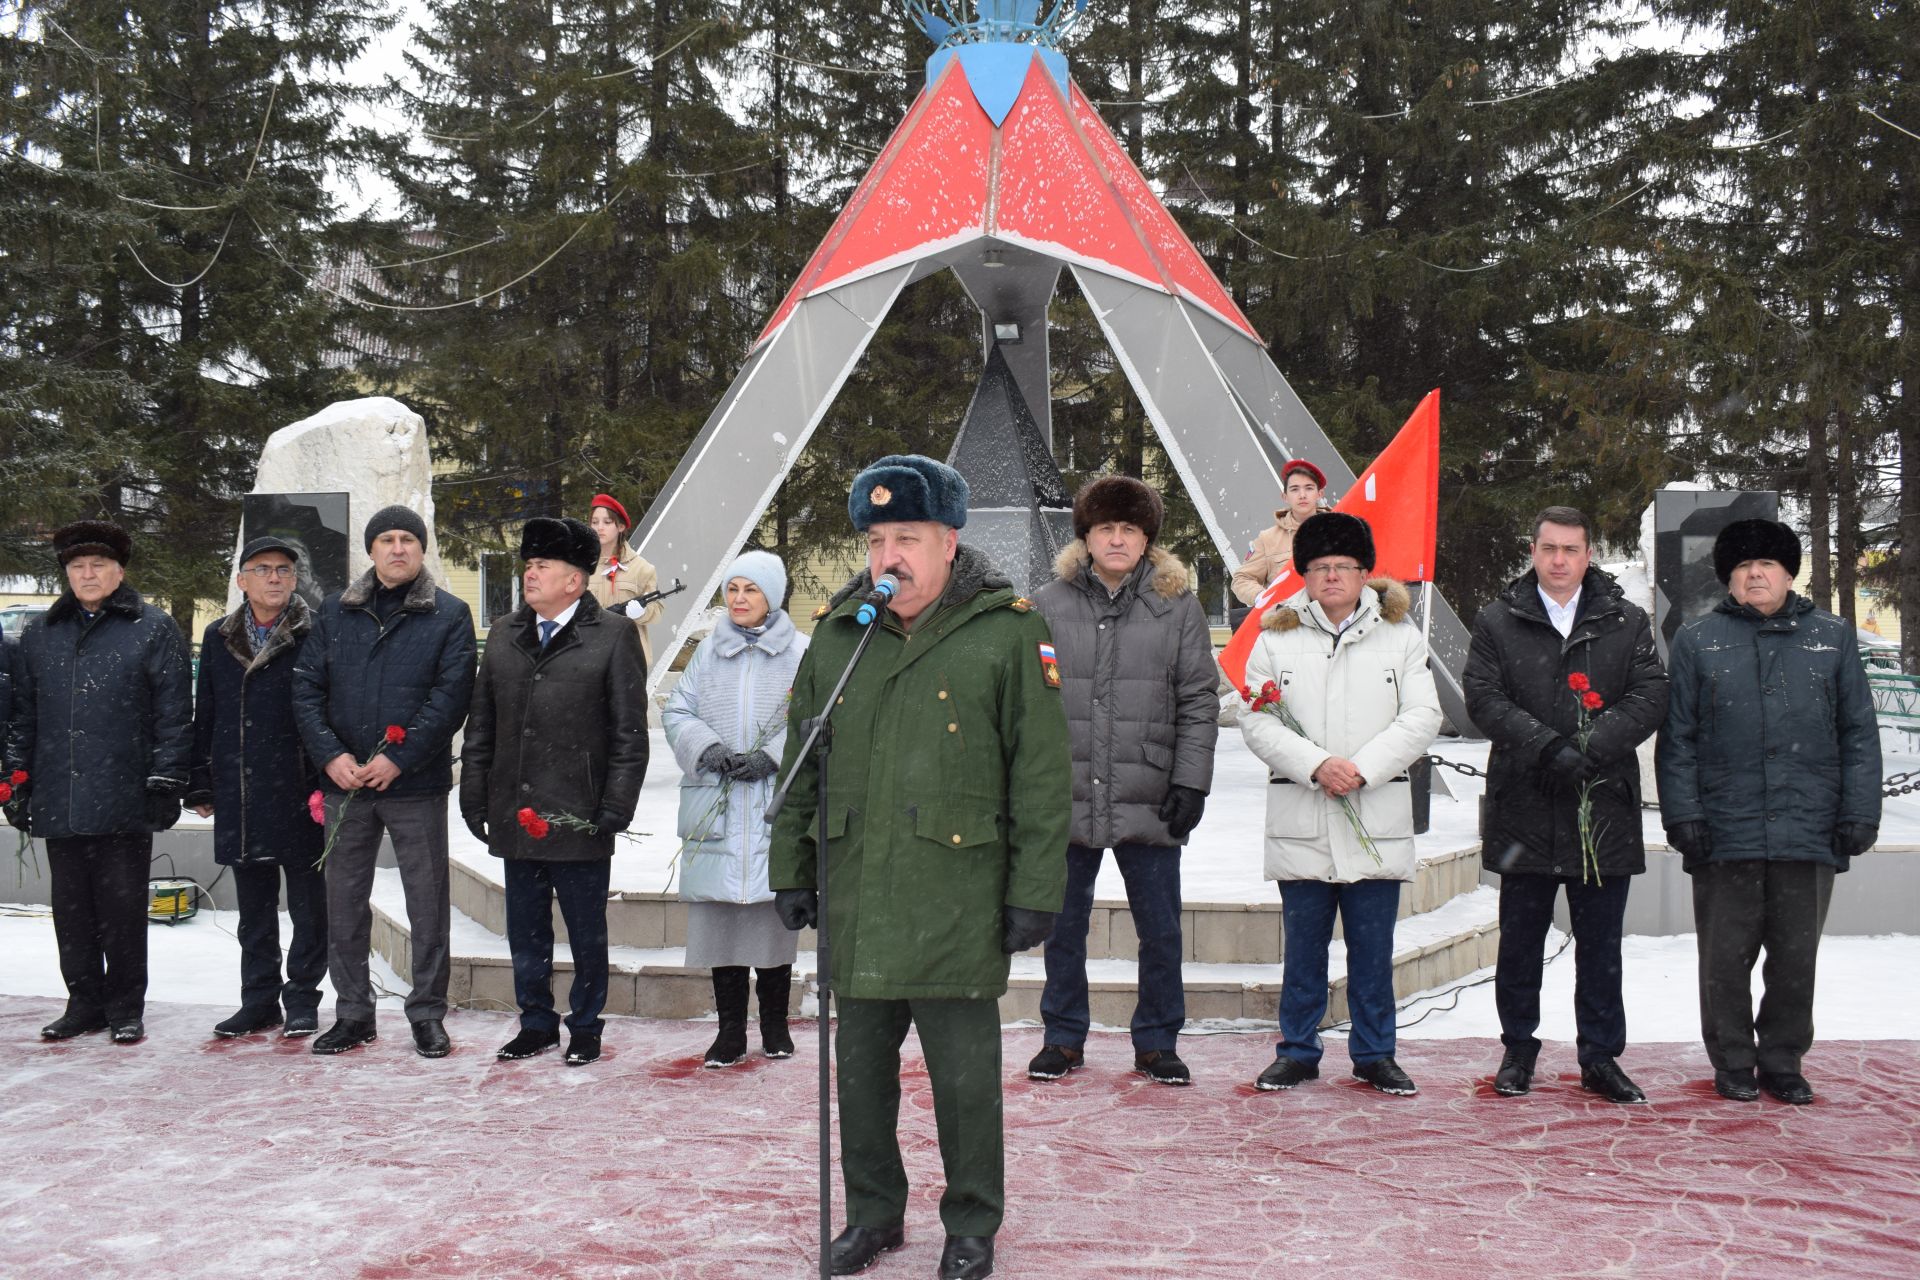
[773, 987]
[729, 1048]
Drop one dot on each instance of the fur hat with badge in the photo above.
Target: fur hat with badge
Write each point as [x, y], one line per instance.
[1333, 533]
[904, 487]
[1117, 500]
[92, 538]
[565, 539]
[1745, 540]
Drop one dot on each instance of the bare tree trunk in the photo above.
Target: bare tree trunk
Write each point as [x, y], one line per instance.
[1819, 510]
[1846, 545]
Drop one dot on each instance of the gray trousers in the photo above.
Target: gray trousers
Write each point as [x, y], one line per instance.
[1739, 908]
[418, 825]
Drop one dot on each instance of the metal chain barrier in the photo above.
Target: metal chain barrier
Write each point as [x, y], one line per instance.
[1899, 784]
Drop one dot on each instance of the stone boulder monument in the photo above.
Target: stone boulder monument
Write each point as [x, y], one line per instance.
[374, 450]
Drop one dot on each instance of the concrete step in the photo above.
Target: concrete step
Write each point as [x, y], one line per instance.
[1431, 949]
[1211, 932]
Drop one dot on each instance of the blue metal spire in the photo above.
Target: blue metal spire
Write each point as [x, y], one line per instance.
[997, 44]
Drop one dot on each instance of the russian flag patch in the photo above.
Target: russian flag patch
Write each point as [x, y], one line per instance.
[1049, 666]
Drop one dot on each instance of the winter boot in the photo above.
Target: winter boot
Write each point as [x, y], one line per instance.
[773, 986]
[729, 1048]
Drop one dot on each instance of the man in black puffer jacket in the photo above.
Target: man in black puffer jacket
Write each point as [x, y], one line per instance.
[1142, 717]
[1562, 632]
[102, 725]
[1769, 766]
[381, 686]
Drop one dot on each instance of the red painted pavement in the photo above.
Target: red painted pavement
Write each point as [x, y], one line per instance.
[185, 1156]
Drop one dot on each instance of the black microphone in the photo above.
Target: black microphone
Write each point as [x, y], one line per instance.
[884, 589]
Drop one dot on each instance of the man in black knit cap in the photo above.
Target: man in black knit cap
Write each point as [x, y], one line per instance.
[381, 686]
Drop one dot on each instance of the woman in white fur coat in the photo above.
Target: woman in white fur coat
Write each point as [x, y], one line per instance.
[1352, 672]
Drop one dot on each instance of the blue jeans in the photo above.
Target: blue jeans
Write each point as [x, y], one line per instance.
[1152, 874]
[581, 888]
[1367, 910]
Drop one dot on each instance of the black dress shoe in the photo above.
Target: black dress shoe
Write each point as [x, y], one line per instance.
[966, 1258]
[69, 1025]
[854, 1249]
[247, 1022]
[344, 1035]
[1788, 1086]
[1736, 1085]
[128, 1030]
[1162, 1066]
[1515, 1076]
[527, 1044]
[301, 1022]
[1607, 1079]
[1285, 1073]
[430, 1039]
[1385, 1075]
[583, 1048]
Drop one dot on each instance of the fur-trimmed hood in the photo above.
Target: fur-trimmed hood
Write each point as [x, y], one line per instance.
[293, 628]
[419, 593]
[1392, 598]
[1169, 578]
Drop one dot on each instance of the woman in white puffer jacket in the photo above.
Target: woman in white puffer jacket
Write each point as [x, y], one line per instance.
[1352, 672]
[726, 722]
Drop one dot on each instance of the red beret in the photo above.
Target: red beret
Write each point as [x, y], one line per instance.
[613, 505]
[1318, 476]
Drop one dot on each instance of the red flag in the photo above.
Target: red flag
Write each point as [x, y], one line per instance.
[1399, 497]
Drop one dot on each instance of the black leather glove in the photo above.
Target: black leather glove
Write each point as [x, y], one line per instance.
[1567, 763]
[1024, 928]
[17, 813]
[603, 826]
[751, 766]
[476, 823]
[714, 760]
[798, 908]
[163, 803]
[1692, 839]
[1181, 810]
[1851, 839]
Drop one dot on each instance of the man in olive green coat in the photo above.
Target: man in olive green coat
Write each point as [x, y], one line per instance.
[950, 799]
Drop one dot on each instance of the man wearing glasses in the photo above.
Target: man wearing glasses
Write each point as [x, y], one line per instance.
[251, 775]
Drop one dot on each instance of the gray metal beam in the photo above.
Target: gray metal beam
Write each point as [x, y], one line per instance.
[1015, 286]
[727, 478]
[1227, 417]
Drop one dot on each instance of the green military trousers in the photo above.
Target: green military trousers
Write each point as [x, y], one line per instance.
[961, 1041]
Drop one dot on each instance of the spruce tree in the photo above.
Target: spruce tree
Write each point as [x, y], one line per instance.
[164, 193]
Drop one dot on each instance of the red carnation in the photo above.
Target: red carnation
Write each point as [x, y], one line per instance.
[1592, 701]
[6, 792]
[396, 734]
[19, 776]
[526, 817]
[1578, 682]
[538, 828]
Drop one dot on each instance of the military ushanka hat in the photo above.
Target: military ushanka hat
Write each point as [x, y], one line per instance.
[904, 487]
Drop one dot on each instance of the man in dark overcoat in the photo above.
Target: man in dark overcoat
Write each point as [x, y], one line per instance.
[1143, 711]
[550, 772]
[1769, 767]
[102, 726]
[252, 776]
[380, 687]
[947, 826]
[1563, 677]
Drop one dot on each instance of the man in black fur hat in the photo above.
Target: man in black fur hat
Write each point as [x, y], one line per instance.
[1143, 712]
[102, 726]
[1769, 767]
[559, 727]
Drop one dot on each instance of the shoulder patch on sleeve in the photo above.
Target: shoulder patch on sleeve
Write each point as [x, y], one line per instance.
[1049, 665]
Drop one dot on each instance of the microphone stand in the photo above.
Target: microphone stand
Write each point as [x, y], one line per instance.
[819, 741]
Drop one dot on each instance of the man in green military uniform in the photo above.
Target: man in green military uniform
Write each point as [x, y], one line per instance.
[949, 803]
